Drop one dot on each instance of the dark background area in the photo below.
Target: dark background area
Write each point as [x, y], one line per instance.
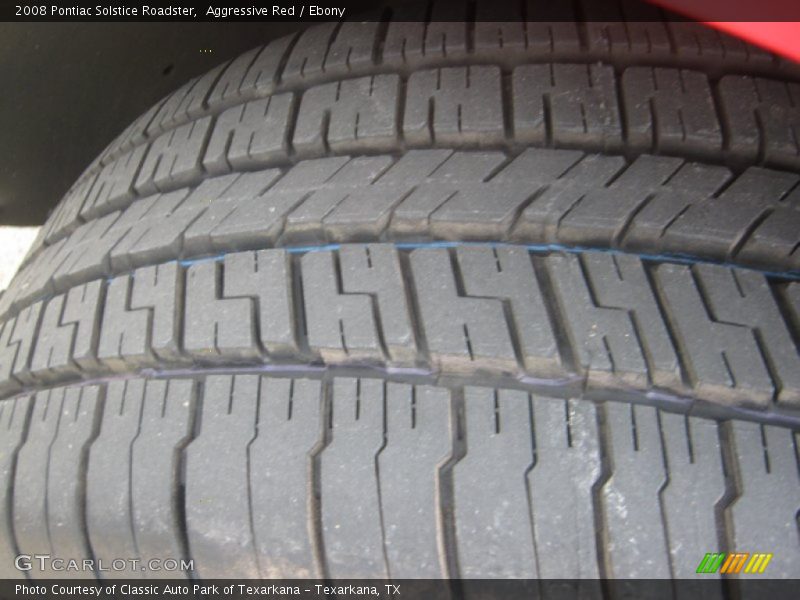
[69, 88]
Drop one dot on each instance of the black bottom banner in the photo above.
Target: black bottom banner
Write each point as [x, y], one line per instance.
[406, 589]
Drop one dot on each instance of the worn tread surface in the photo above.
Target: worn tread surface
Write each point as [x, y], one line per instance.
[358, 494]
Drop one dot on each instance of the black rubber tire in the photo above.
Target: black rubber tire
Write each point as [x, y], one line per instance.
[420, 299]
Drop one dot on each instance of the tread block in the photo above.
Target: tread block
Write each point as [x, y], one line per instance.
[84, 254]
[97, 248]
[289, 434]
[217, 325]
[445, 34]
[173, 159]
[405, 35]
[567, 452]
[693, 454]
[689, 185]
[31, 476]
[307, 57]
[228, 88]
[419, 439]
[16, 341]
[762, 118]
[305, 223]
[265, 72]
[157, 497]
[670, 110]
[374, 269]
[150, 231]
[417, 166]
[250, 135]
[414, 39]
[345, 116]
[193, 104]
[68, 333]
[331, 172]
[344, 213]
[539, 221]
[159, 288]
[218, 505]
[573, 104]
[158, 235]
[723, 360]
[341, 326]
[19, 347]
[494, 530]
[602, 216]
[114, 185]
[715, 227]
[355, 46]
[242, 214]
[508, 274]
[68, 455]
[66, 216]
[14, 421]
[621, 282]
[603, 337]
[174, 110]
[161, 114]
[462, 333]
[528, 29]
[357, 215]
[264, 276]
[454, 105]
[637, 545]
[497, 27]
[465, 214]
[744, 298]
[139, 318]
[109, 515]
[439, 175]
[557, 35]
[44, 277]
[352, 528]
[695, 40]
[607, 33]
[775, 241]
[764, 515]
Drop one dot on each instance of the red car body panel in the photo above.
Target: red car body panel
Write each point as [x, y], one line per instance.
[772, 24]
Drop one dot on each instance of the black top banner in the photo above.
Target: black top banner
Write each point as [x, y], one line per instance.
[175, 11]
[405, 10]
[143, 11]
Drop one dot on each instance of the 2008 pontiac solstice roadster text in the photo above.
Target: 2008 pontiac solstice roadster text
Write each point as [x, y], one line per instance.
[146, 10]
